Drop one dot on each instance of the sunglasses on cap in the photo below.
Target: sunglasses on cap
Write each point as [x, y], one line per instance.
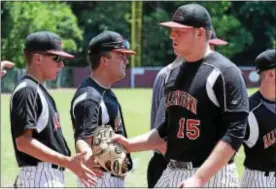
[117, 45]
[55, 58]
[58, 59]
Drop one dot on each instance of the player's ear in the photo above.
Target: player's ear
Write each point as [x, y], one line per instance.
[104, 61]
[201, 32]
[271, 73]
[37, 58]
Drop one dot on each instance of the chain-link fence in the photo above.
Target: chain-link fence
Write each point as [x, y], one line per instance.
[9, 81]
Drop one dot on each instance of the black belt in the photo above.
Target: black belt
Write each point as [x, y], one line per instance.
[266, 173]
[52, 166]
[57, 167]
[187, 165]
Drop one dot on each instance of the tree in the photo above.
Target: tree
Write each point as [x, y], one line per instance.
[98, 16]
[258, 17]
[22, 18]
[157, 47]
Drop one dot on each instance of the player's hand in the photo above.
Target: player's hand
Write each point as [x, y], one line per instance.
[78, 167]
[91, 163]
[192, 182]
[121, 140]
[5, 64]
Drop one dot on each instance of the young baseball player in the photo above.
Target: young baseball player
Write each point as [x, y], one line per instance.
[94, 103]
[157, 163]
[41, 150]
[260, 143]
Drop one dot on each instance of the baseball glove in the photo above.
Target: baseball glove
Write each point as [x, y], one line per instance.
[111, 156]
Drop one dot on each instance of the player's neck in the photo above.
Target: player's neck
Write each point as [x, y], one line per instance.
[35, 75]
[197, 55]
[268, 92]
[100, 80]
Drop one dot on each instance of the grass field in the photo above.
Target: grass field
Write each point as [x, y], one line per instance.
[136, 107]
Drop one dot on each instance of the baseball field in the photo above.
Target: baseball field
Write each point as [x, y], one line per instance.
[136, 108]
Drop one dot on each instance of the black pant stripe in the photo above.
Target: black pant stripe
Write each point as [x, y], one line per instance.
[54, 176]
[162, 179]
[26, 177]
[45, 172]
[33, 172]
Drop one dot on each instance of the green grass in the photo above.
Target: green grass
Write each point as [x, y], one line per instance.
[136, 107]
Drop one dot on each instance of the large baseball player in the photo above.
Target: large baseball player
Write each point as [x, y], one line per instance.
[260, 143]
[157, 163]
[94, 103]
[40, 148]
[206, 109]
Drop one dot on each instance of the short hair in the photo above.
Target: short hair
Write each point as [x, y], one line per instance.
[94, 60]
[208, 34]
[28, 56]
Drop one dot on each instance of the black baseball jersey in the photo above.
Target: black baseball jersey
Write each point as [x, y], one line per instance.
[32, 107]
[93, 105]
[260, 143]
[206, 101]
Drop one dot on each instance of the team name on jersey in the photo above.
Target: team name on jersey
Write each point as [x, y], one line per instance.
[269, 139]
[183, 99]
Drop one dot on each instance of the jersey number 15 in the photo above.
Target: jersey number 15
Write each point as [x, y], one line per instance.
[191, 131]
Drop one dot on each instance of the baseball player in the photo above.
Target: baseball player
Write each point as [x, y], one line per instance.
[157, 163]
[214, 41]
[5, 64]
[260, 143]
[206, 109]
[40, 148]
[94, 103]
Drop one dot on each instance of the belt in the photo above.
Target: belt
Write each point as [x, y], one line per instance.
[266, 173]
[57, 167]
[44, 164]
[187, 165]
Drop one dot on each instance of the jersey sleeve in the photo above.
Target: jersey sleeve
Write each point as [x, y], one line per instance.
[24, 110]
[163, 128]
[157, 95]
[86, 118]
[230, 90]
[252, 130]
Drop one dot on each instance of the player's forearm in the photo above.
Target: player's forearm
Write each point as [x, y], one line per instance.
[147, 141]
[219, 157]
[83, 146]
[38, 150]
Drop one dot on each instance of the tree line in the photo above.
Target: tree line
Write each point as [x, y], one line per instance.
[249, 27]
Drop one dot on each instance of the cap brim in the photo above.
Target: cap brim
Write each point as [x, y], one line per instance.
[172, 24]
[61, 53]
[217, 42]
[125, 51]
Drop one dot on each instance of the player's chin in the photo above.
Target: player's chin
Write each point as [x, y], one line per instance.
[123, 74]
[54, 76]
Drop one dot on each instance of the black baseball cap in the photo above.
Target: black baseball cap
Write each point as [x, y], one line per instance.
[45, 41]
[109, 41]
[216, 41]
[190, 16]
[266, 60]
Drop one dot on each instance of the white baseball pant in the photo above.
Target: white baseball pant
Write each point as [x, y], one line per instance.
[260, 179]
[172, 177]
[40, 176]
[107, 181]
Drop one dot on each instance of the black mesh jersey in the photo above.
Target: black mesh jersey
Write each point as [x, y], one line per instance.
[260, 143]
[206, 101]
[32, 107]
[91, 106]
